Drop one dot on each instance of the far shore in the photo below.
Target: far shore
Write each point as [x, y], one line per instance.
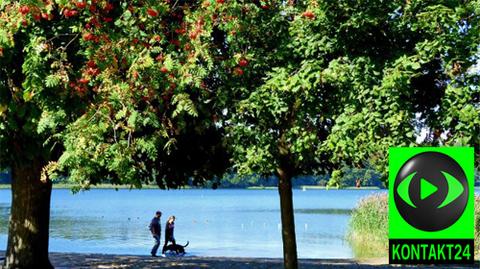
[77, 260]
[112, 186]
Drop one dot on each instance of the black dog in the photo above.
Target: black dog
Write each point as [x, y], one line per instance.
[179, 249]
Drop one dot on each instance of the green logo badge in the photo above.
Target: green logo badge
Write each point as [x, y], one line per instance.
[431, 205]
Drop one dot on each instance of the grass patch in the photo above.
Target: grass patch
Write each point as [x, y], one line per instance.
[368, 228]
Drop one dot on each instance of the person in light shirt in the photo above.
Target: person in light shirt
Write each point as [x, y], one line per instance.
[169, 227]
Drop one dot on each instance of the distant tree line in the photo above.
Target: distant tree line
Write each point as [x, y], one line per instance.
[344, 177]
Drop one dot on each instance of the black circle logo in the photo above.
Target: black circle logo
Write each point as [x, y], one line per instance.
[431, 191]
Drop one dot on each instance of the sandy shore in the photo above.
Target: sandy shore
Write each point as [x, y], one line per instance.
[76, 260]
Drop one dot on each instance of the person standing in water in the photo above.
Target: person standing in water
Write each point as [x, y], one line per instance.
[155, 229]
[169, 227]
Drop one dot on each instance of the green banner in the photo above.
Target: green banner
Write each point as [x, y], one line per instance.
[431, 200]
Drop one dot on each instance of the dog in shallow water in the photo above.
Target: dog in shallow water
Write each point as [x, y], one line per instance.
[178, 249]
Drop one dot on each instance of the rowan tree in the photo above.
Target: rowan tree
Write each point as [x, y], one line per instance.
[102, 91]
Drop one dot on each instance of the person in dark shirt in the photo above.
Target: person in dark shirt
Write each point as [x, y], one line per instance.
[155, 229]
[169, 227]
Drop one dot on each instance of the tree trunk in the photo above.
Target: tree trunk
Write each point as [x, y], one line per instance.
[27, 245]
[288, 221]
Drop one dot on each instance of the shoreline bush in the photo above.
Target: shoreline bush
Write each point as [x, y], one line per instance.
[368, 227]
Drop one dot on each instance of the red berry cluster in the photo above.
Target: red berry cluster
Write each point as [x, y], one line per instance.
[24, 10]
[241, 63]
[198, 29]
[152, 12]
[238, 71]
[308, 14]
[81, 4]
[68, 13]
[98, 16]
[36, 12]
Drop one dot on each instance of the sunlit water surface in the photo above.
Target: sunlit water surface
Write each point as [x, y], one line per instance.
[241, 223]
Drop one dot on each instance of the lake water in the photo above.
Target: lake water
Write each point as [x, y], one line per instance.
[241, 223]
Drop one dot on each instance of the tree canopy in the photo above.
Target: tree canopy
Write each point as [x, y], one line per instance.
[115, 90]
[359, 77]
